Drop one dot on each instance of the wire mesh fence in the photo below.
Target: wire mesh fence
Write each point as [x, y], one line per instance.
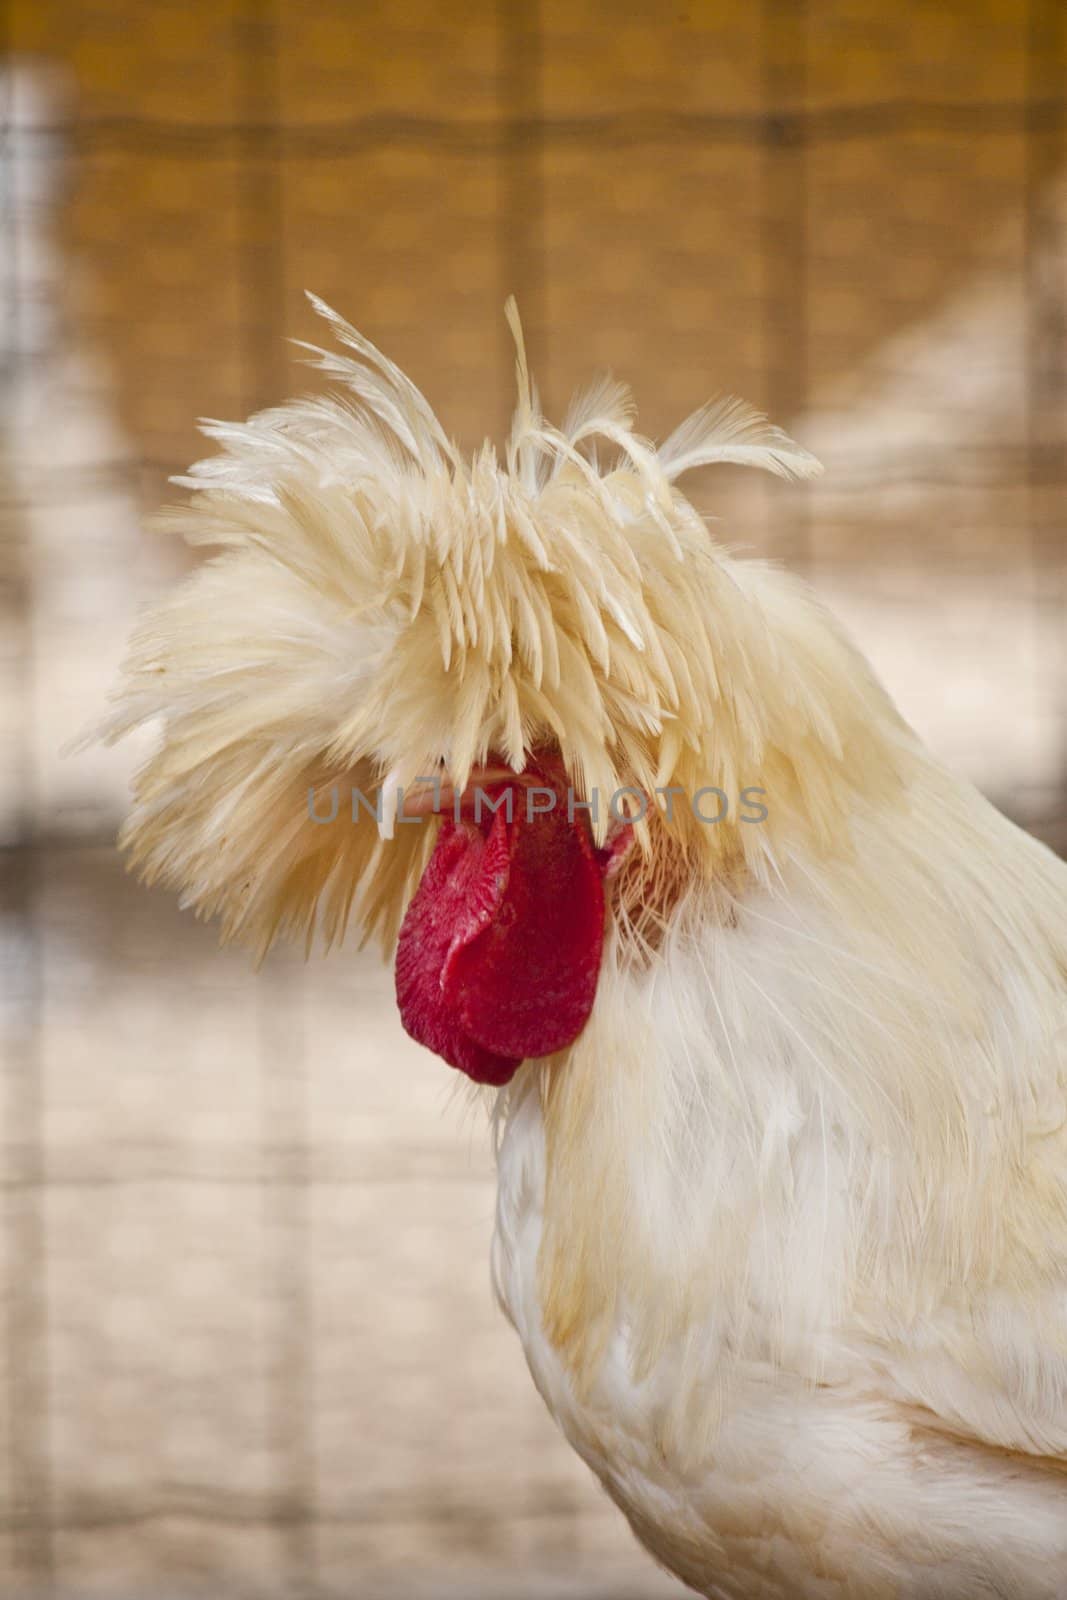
[248, 1345]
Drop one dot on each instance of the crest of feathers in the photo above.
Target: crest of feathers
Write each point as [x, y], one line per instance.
[379, 605]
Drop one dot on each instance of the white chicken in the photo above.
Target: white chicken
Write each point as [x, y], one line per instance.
[774, 1007]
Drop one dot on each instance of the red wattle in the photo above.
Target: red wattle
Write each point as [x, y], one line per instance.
[499, 953]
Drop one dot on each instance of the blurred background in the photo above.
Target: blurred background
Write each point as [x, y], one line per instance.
[247, 1341]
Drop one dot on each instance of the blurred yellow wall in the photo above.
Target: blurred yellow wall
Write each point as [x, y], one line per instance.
[702, 196]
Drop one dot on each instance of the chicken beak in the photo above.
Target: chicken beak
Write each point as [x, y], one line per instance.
[438, 796]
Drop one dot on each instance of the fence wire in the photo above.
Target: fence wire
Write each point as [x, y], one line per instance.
[245, 1349]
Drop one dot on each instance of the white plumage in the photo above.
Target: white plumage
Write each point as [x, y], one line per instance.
[784, 1230]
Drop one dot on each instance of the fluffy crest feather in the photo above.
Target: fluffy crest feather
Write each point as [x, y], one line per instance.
[381, 605]
[730, 430]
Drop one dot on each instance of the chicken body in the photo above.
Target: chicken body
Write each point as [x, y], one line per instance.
[826, 1489]
[842, 1370]
[838, 1488]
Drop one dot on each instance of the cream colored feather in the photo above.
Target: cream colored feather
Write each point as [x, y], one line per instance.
[381, 606]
